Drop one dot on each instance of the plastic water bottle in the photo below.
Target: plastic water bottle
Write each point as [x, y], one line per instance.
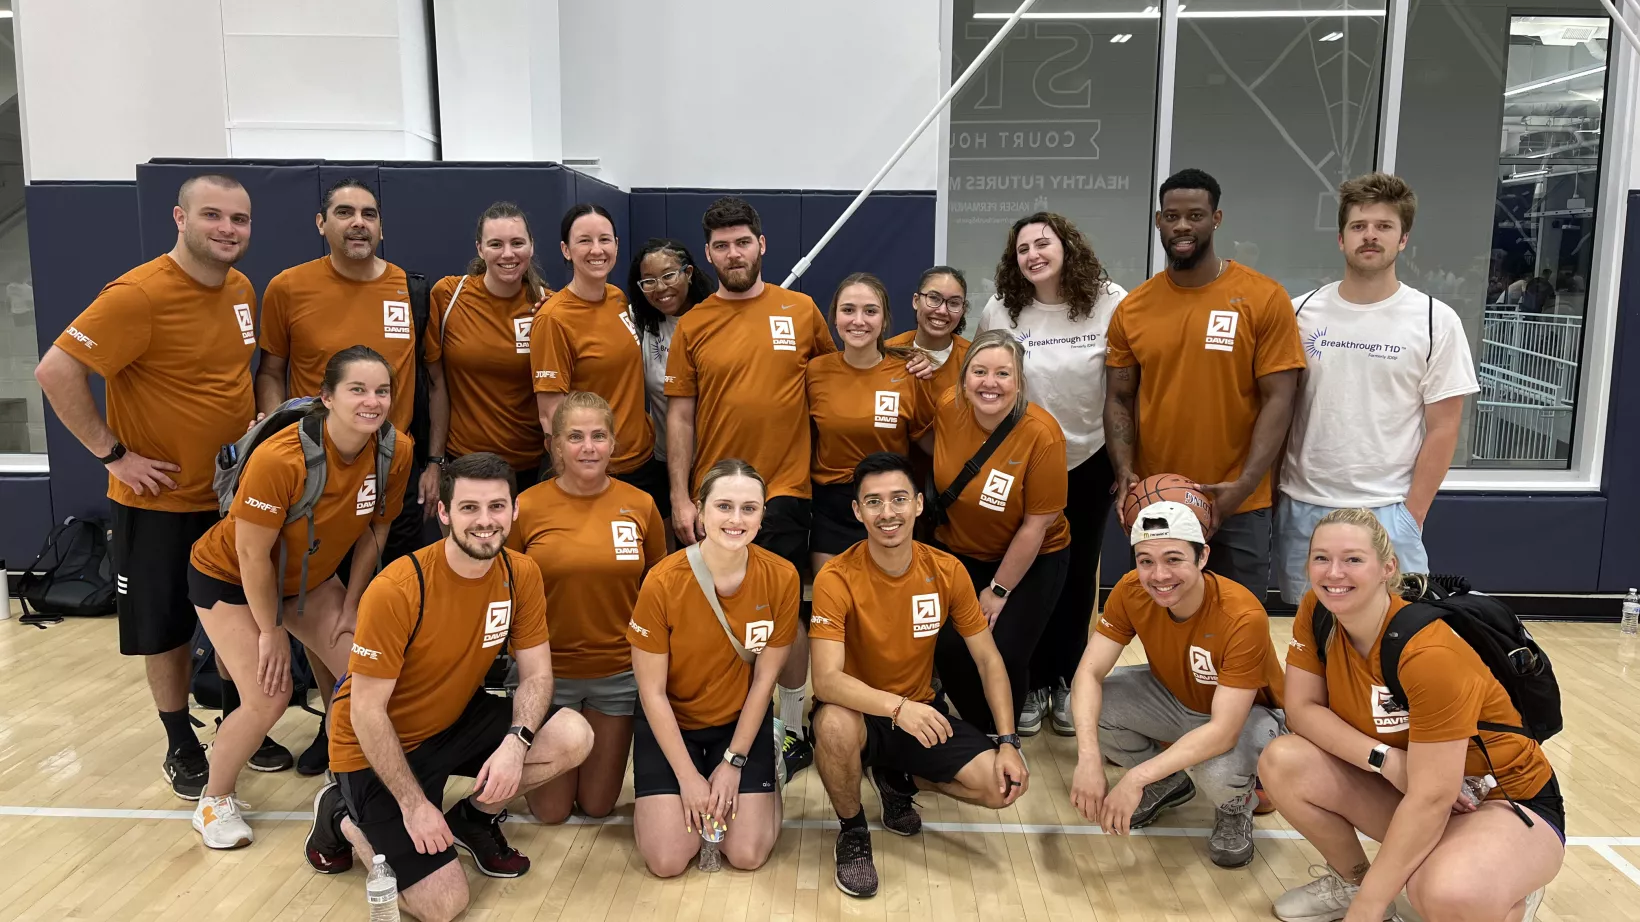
[711, 835]
[381, 888]
[1631, 612]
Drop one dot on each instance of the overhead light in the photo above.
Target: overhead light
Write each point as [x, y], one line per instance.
[1331, 37]
[1151, 12]
[1120, 38]
[1540, 84]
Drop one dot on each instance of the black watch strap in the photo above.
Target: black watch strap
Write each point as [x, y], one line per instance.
[114, 454]
[1011, 739]
[525, 735]
[435, 459]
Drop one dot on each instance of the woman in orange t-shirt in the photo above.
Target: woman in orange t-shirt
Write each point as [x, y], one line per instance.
[1007, 526]
[250, 611]
[941, 305]
[594, 538]
[1357, 761]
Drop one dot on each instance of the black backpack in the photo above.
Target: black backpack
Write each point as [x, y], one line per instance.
[73, 574]
[206, 683]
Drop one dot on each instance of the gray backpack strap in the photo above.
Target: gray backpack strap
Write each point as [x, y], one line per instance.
[703, 578]
[444, 322]
[311, 434]
[386, 442]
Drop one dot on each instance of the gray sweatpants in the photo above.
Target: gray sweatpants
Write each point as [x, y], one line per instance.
[1138, 711]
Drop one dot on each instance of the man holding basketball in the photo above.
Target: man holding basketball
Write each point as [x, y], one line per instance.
[1212, 689]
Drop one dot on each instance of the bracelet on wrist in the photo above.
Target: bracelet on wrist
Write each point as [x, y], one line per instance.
[894, 718]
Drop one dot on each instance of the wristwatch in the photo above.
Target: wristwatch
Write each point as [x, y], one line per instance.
[735, 759]
[1376, 757]
[1011, 739]
[114, 454]
[525, 735]
[435, 459]
[998, 590]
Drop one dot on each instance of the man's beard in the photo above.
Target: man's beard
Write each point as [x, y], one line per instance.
[480, 553]
[744, 282]
[1197, 254]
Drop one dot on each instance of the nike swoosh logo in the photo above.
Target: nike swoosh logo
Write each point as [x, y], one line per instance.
[1207, 635]
[1020, 461]
[785, 307]
[761, 607]
[625, 511]
[928, 579]
[896, 380]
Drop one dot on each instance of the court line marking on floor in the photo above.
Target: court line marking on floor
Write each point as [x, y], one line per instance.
[1618, 861]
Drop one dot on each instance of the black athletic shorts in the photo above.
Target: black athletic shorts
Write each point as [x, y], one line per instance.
[1548, 804]
[149, 552]
[785, 530]
[204, 591]
[652, 774]
[460, 749]
[652, 478]
[889, 747]
[835, 529]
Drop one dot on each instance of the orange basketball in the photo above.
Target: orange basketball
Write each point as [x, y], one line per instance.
[1159, 488]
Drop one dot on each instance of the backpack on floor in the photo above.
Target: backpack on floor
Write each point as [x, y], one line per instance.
[205, 683]
[1491, 628]
[73, 574]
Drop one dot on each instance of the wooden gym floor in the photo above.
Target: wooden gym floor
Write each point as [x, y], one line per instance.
[89, 830]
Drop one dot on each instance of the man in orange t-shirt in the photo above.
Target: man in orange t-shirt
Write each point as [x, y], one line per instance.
[1212, 690]
[173, 340]
[1201, 370]
[413, 711]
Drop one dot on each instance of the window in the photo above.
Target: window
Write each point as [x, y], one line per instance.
[22, 409]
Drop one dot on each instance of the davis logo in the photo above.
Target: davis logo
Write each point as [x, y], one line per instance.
[925, 615]
[365, 503]
[1221, 330]
[247, 326]
[888, 410]
[1201, 666]
[757, 635]
[497, 618]
[1387, 716]
[396, 319]
[521, 334]
[994, 495]
[784, 333]
[626, 541]
[632, 328]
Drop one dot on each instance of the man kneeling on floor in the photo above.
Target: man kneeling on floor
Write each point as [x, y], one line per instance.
[878, 610]
[412, 710]
[1212, 690]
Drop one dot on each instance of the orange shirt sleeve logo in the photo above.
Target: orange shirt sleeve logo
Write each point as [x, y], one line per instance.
[247, 325]
[496, 621]
[396, 319]
[925, 614]
[888, 410]
[1201, 666]
[1221, 330]
[994, 495]
[784, 333]
[521, 334]
[628, 546]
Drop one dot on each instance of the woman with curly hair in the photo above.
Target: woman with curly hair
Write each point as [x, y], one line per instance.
[1054, 297]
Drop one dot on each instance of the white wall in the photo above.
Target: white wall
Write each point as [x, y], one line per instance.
[499, 87]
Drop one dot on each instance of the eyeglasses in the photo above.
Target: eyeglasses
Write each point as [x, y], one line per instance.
[875, 504]
[667, 278]
[933, 299]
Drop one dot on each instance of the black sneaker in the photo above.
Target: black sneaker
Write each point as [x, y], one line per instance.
[479, 835]
[856, 874]
[328, 851]
[271, 757]
[895, 791]
[796, 753]
[187, 770]
[316, 758]
[1169, 792]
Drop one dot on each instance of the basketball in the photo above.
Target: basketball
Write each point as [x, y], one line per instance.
[1159, 488]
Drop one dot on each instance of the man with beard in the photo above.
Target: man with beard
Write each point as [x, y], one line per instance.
[172, 340]
[741, 355]
[351, 297]
[1205, 356]
[1378, 410]
[412, 711]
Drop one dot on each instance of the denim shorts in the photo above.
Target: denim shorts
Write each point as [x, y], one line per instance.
[1295, 521]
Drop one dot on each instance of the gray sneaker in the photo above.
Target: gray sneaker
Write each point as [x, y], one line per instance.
[1533, 901]
[1325, 899]
[1231, 844]
[1171, 791]
[1030, 716]
[1062, 722]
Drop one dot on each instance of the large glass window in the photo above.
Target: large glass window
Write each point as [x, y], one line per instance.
[22, 411]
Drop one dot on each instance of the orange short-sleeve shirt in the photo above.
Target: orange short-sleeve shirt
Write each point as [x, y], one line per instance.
[275, 477]
[858, 411]
[176, 356]
[577, 345]
[949, 373]
[441, 664]
[1226, 642]
[888, 625]
[1200, 353]
[1449, 690]
[593, 552]
[310, 312]
[745, 361]
[1025, 475]
[485, 348]
[707, 681]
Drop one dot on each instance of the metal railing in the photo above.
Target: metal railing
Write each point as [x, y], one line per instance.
[1528, 371]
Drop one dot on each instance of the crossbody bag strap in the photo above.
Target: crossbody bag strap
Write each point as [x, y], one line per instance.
[971, 469]
[703, 578]
[444, 322]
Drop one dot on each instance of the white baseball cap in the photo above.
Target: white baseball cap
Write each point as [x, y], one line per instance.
[1167, 520]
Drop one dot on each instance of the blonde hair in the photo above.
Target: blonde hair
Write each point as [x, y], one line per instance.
[1382, 547]
[996, 339]
[728, 467]
[579, 400]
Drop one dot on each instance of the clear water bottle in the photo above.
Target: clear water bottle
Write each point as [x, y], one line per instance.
[711, 835]
[381, 888]
[1631, 612]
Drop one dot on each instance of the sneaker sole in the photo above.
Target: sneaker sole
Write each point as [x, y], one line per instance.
[1240, 863]
[479, 867]
[313, 830]
[1064, 729]
[170, 779]
[1025, 729]
[859, 896]
[238, 843]
[267, 769]
[1183, 796]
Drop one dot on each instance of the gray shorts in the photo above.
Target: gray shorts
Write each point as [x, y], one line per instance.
[615, 695]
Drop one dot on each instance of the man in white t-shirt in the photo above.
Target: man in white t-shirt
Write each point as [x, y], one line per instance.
[1376, 418]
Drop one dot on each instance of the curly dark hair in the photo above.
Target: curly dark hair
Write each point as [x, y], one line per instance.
[1080, 281]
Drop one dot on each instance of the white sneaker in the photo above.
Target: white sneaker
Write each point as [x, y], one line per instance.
[1061, 709]
[1533, 901]
[218, 821]
[1325, 899]
[1030, 716]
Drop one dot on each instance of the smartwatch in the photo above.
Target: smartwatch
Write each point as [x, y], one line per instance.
[114, 454]
[525, 735]
[998, 590]
[1011, 739]
[1376, 757]
[734, 759]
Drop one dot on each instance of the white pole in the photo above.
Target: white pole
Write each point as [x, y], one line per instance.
[808, 260]
[1623, 25]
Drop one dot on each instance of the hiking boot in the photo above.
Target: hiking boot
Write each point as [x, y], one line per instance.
[856, 874]
[1231, 844]
[315, 759]
[479, 834]
[270, 757]
[796, 753]
[1061, 709]
[328, 851]
[1171, 791]
[187, 769]
[1030, 716]
[895, 791]
[218, 822]
[1325, 899]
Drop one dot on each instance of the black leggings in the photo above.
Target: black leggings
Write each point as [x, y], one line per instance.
[1087, 506]
[1016, 633]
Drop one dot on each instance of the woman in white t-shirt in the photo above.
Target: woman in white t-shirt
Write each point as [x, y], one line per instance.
[1056, 299]
[662, 285]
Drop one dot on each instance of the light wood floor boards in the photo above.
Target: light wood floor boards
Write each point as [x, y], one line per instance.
[89, 829]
